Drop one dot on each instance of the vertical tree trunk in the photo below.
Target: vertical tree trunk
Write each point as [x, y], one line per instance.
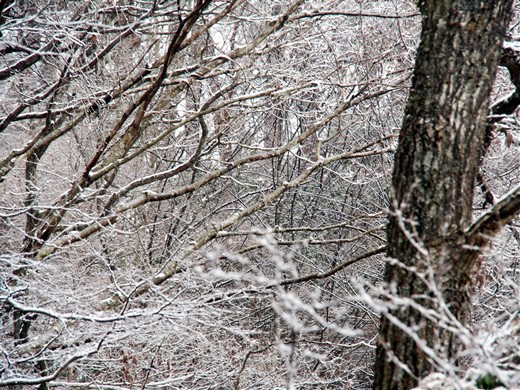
[434, 175]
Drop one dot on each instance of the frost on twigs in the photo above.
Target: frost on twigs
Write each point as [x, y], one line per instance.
[438, 381]
[298, 313]
[193, 191]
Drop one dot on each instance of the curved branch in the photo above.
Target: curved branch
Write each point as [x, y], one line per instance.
[510, 59]
[54, 375]
[489, 224]
[332, 271]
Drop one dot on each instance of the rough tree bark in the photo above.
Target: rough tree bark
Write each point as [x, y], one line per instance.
[433, 180]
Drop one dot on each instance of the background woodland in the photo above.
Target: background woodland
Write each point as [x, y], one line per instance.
[194, 194]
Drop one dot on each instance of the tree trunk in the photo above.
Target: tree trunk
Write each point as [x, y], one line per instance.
[434, 175]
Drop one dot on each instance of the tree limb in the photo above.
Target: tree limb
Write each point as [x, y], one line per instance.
[511, 61]
[489, 224]
[334, 270]
[54, 375]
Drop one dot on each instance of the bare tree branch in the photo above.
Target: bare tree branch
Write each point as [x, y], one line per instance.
[490, 223]
[326, 274]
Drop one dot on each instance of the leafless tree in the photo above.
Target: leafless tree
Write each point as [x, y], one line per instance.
[435, 246]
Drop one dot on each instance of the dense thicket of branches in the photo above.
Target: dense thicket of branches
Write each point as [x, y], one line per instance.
[194, 194]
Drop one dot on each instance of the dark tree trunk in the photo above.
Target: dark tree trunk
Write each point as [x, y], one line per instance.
[434, 175]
